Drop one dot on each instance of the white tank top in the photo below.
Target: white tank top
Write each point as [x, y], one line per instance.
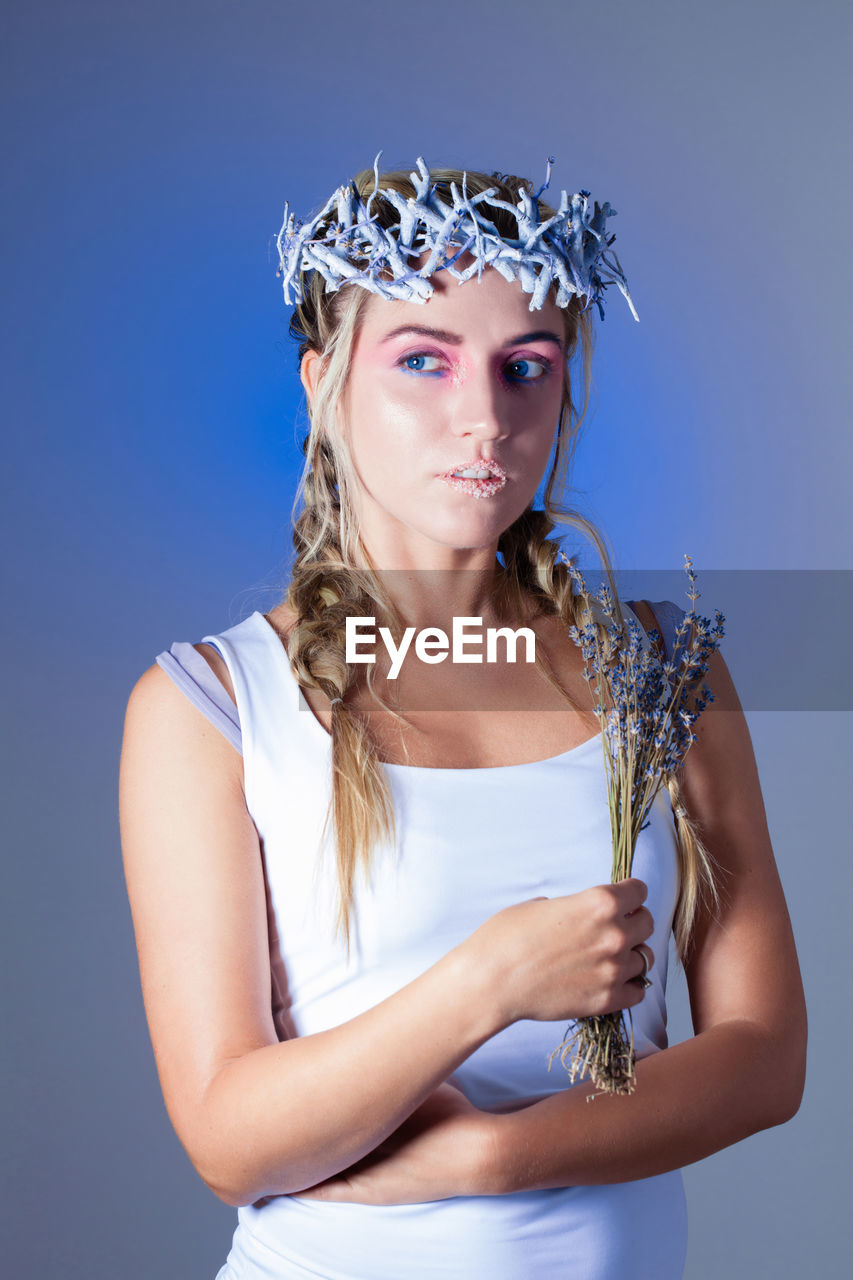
[470, 842]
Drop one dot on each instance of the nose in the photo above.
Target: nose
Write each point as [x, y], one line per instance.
[477, 407]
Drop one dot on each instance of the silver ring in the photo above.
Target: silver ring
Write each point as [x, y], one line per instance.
[643, 978]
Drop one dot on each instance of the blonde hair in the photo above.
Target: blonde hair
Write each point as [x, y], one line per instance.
[332, 576]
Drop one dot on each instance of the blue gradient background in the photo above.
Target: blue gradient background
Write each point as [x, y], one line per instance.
[152, 411]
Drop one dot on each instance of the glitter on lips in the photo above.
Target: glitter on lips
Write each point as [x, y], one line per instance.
[474, 486]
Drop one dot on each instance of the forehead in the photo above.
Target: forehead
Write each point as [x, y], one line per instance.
[488, 307]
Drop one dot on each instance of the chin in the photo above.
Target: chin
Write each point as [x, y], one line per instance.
[485, 525]
[467, 535]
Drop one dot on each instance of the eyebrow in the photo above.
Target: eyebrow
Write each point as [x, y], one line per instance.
[443, 335]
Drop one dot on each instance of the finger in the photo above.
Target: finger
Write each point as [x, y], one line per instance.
[647, 959]
[632, 893]
[642, 926]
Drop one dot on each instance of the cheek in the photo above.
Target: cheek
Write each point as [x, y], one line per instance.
[386, 440]
[541, 429]
[381, 404]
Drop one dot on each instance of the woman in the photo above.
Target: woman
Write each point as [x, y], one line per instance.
[364, 922]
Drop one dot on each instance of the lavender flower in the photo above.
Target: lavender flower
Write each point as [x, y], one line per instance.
[647, 710]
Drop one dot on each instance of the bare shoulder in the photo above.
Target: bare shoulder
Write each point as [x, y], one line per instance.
[158, 712]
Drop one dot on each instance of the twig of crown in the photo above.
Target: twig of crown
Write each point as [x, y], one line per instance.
[647, 710]
[344, 243]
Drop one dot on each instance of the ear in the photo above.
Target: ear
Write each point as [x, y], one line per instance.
[308, 372]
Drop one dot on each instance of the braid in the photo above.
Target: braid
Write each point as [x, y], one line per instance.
[323, 592]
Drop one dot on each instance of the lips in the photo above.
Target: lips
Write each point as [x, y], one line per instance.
[472, 485]
[477, 464]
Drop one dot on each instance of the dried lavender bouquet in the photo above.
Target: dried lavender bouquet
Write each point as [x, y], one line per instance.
[646, 709]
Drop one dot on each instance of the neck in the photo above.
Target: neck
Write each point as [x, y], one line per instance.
[434, 597]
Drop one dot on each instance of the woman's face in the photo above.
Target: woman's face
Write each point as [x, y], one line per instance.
[485, 384]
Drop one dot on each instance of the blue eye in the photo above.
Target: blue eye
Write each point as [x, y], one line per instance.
[543, 365]
[418, 355]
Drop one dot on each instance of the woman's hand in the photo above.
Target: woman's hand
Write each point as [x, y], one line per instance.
[438, 1152]
[550, 959]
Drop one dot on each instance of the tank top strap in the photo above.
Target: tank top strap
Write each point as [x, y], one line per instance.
[668, 616]
[257, 664]
[186, 667]
[275, 721]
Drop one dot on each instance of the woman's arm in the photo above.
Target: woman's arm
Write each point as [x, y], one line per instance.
[744, 1069]
[258, 1117]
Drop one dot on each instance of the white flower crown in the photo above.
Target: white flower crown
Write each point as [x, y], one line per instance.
[571, 247]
